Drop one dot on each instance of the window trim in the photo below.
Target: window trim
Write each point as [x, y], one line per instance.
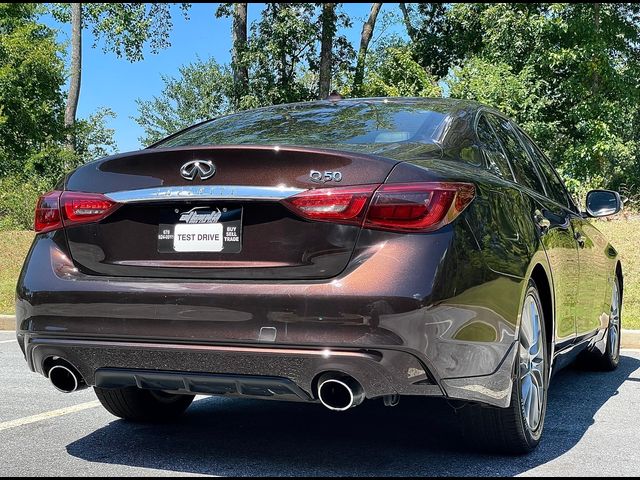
[479, 115]
[484, 110]
[571, 205]
[520, 184]
[518, 132]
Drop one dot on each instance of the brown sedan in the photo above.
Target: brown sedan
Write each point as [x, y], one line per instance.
[325, 252]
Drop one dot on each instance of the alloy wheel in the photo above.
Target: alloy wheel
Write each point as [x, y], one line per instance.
[532, 364]
[614, 322]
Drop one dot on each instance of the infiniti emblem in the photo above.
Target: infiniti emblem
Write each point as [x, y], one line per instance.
[198, 168]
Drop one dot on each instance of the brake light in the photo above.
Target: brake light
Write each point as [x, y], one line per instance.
[48, 213]
[85, 207]
[422, 207]
[404, 207]
[58, 209]
[340, 204]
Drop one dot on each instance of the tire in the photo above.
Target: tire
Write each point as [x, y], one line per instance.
[609, 360]
[517, 429]
[140, 405]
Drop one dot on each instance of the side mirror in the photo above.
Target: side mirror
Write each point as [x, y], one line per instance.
[602, 203]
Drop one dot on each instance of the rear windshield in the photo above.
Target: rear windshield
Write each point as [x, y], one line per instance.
[340, 123]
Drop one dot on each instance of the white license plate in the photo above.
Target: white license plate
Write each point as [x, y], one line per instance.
[198, 238]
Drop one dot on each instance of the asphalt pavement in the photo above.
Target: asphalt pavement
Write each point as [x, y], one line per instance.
[592, 428]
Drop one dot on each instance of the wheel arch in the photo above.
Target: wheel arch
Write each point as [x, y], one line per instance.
[620, 278]
[545, 291]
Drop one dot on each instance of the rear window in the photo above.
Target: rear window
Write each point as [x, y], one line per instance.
[322, 125]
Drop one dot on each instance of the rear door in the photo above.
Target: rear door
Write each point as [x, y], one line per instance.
[595, 269]
[508, 231]
[561, 244]
[233, 224]
[556, 231]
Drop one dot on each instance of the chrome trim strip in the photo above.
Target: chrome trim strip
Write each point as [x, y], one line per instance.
[313, 352]
[203, 192]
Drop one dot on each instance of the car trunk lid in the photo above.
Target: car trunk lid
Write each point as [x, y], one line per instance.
[231, 225]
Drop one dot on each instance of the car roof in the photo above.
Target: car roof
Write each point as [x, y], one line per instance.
[452, 105]
[462, 111]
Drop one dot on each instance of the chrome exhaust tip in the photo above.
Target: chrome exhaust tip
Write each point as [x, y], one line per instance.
[65, 379]
[339, 392]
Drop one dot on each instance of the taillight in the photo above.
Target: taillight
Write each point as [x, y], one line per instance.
[58, 209]
[48, 213]
[340, 204]
[85, 207]
[418, 207]
[404, 207]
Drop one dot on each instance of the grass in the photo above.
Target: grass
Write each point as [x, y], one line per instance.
[622, 233]
[14, 247]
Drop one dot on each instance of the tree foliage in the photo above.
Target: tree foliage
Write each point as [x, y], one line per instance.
[395, 73]
[283, 53]
[568, 73]
[125, 28]
[282, 56]
[94, 139]
[515, 94]
[571, 71]
[202, 90]
[432, 35]
[31, 73]
[33, 151]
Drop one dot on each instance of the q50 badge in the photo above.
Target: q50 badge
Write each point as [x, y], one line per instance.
[324, 177]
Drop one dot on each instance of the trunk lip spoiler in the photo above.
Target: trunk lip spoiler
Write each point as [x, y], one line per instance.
[204, 192]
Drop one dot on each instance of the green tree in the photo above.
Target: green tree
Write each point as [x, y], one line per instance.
[238, 11]
[518, 95]
[202, 90]
[365, 38]
[93, 140]
[124, 28]
[394, 73]
[33, 154]
[281, 43]
[579, 64]
[328, 20]
[283, 53]
[31, 75]
[432, 34]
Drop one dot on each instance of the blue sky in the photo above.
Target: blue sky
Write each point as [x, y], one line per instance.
[108, 81]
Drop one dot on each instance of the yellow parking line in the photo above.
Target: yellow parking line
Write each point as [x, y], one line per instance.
[48, 415]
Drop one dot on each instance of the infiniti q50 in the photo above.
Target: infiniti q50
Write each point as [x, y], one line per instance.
[330, 252]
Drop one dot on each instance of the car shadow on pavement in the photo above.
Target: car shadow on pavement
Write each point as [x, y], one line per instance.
[419, 437]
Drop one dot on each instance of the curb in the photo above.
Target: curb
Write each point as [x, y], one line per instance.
[7, 322]
[630, 338]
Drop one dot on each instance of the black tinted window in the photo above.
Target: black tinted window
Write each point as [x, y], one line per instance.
[555, 187]
[523, 167]
[496, 161]
[341, 124]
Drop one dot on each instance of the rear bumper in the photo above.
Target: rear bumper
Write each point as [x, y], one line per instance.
[379, 372]
[399, 336]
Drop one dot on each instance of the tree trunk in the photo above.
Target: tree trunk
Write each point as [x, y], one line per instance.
[411, 31]
[596, 74]
[365, 38]
[76, 71]
[283, 65]
[328, 19]
[238, 63]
